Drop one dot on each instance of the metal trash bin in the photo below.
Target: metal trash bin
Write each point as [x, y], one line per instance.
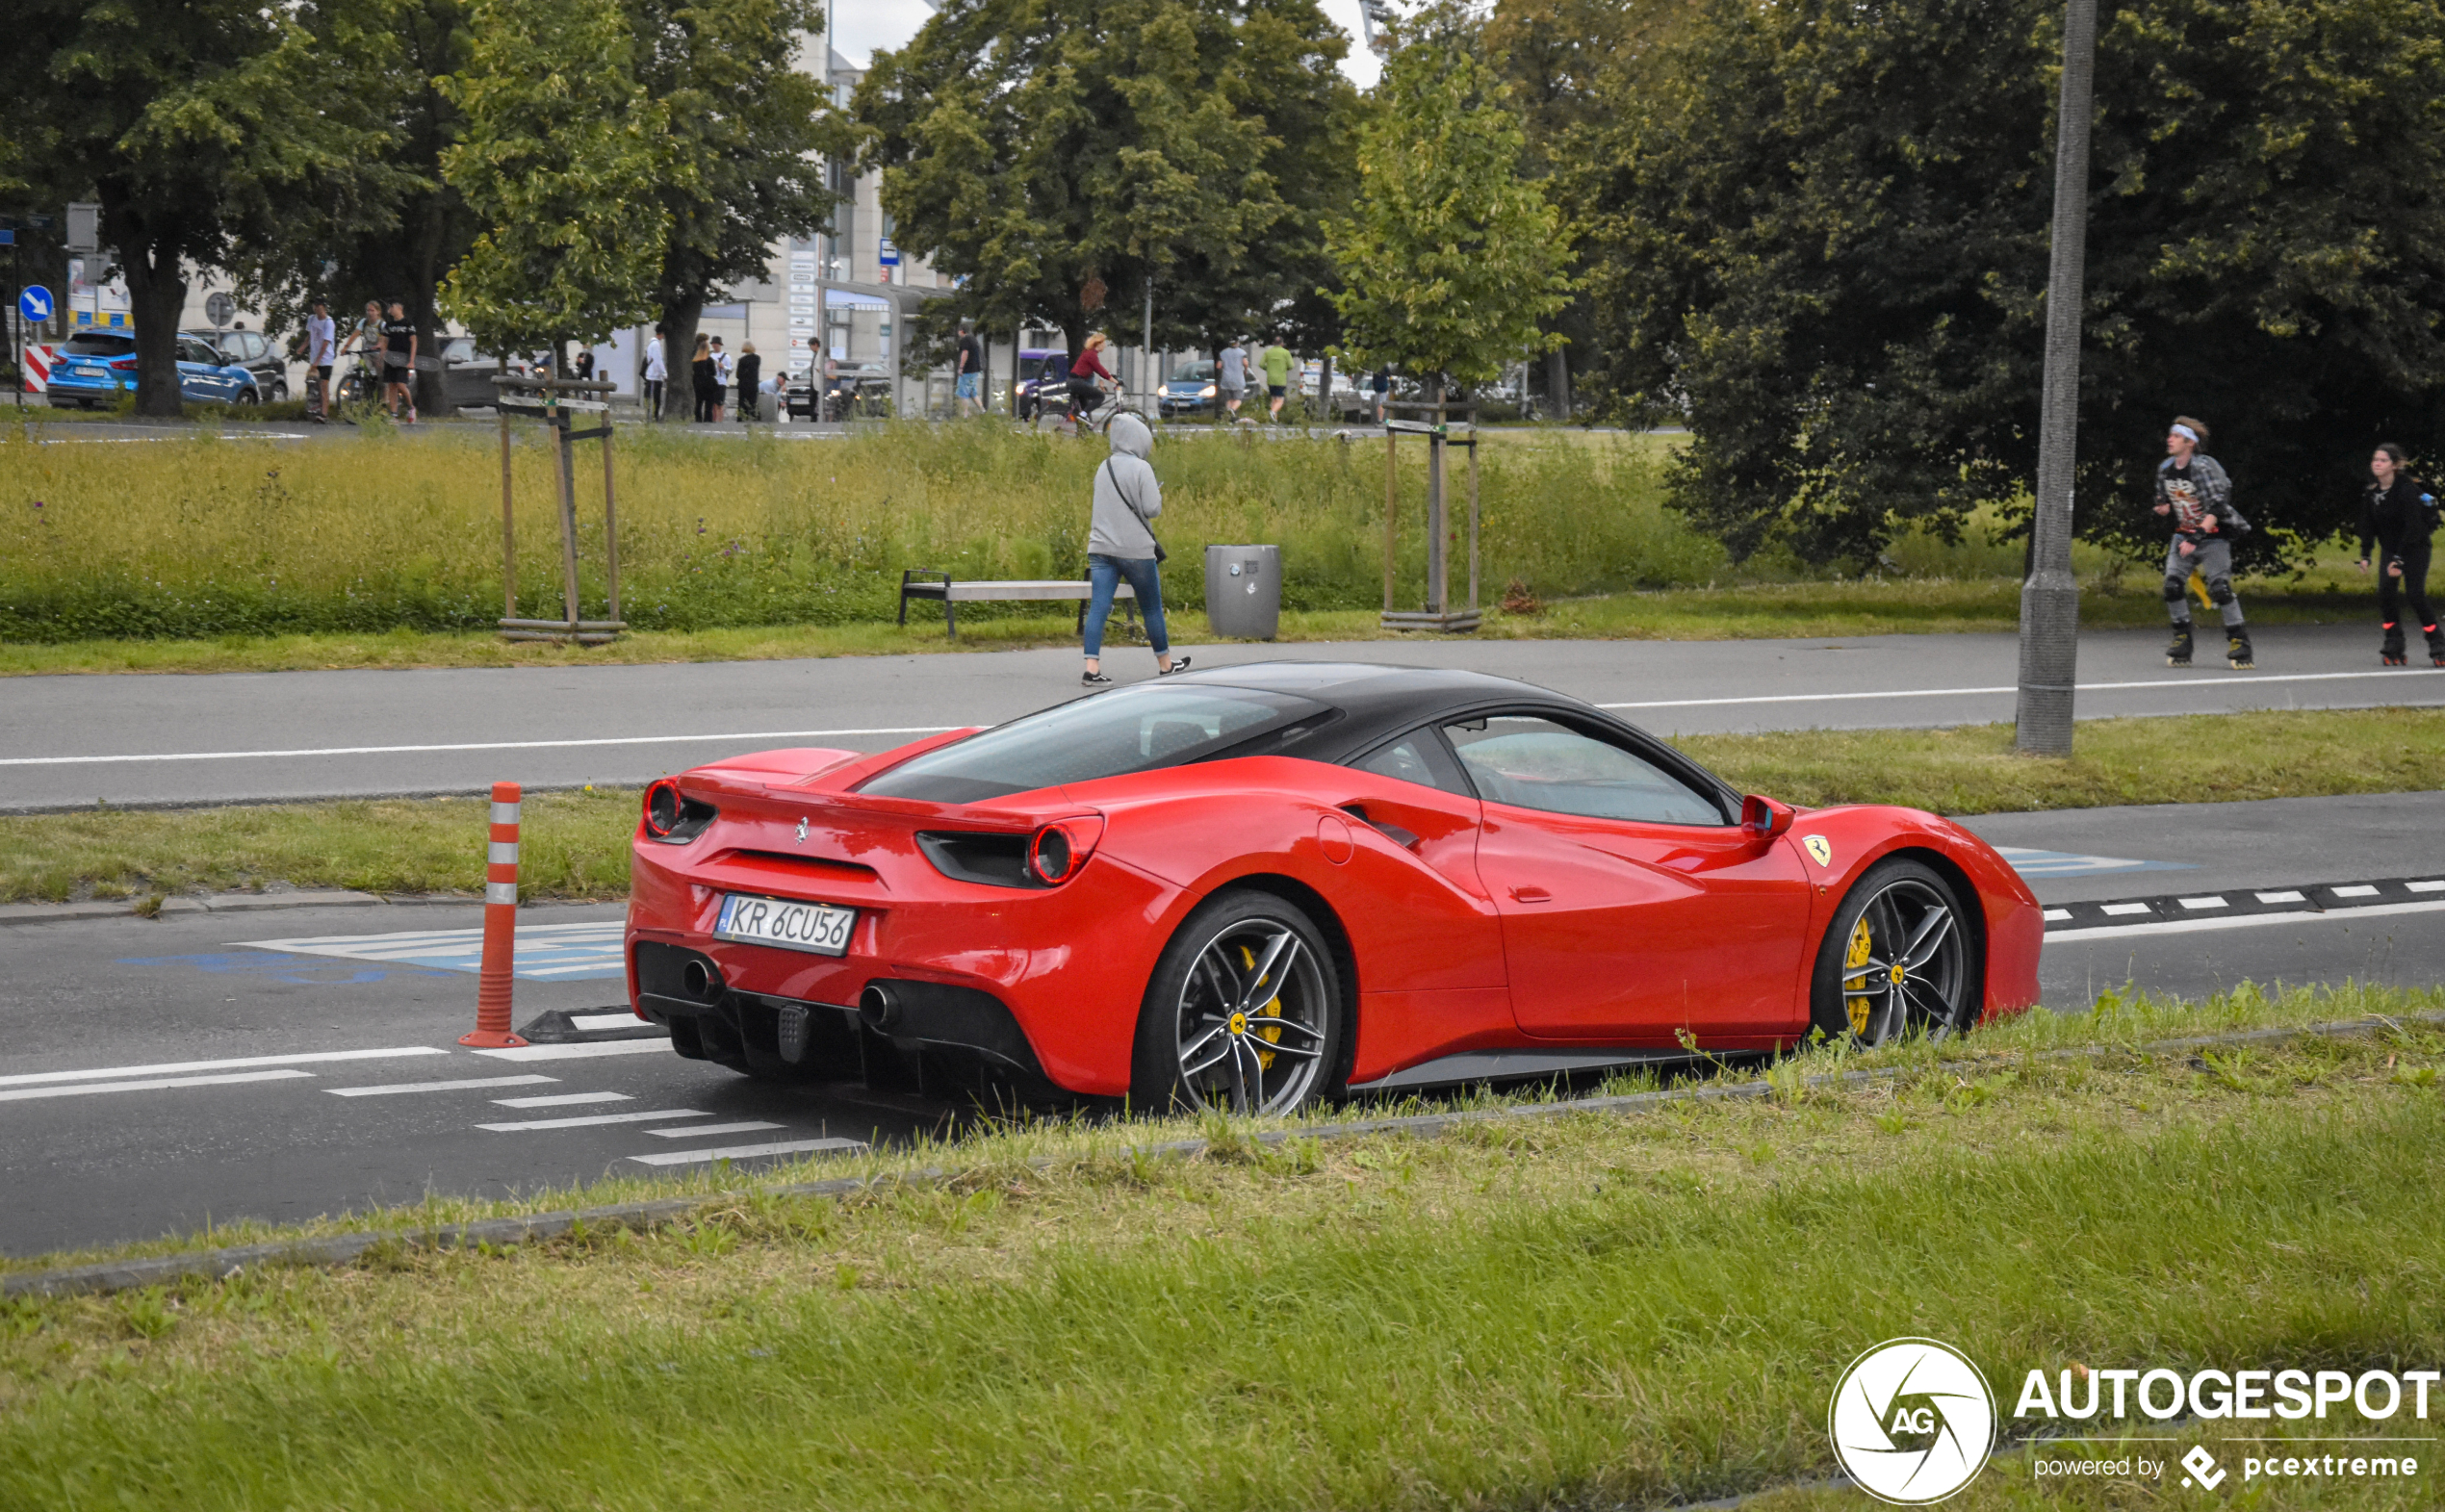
[1243, 591]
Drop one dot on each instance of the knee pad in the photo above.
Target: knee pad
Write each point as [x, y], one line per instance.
[2174, 588]
[2220, 591]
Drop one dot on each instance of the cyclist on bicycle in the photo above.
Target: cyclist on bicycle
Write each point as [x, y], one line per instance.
[1087, 377]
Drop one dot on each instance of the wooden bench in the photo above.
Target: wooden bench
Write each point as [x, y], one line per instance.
[929, 583]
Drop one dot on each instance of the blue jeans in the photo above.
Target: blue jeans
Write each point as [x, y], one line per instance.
[1105, 573]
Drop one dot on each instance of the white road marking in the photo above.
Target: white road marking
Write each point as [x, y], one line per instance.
[2362, 891]
[593, 1021]
[2425, 886]
[593, 1119]
[2125, 908]
[579, 1052]
[698, 1131]
[478, 1084]
[2083, 687]
[473, 745]
[741, 1152]
[562, 1100]
[242, 1063]
[80, 1089]
[2205, 903]
[2058, 913]
[2236, 922]
[2282, 897]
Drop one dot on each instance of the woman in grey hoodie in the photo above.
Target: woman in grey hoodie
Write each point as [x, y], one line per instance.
[1120, 547]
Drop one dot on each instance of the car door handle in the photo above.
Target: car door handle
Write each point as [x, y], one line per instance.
[1532, 895]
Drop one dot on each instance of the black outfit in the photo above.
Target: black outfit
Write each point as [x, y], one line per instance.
[751, 372]
[2399, 521]
[974, 349]
[398, 337]
[709, 387]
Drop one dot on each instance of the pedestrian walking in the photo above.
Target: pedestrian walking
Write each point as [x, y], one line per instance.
[1384, 392]
[1277, 361]
[751, 373]
[2398, 516]
[1230, 377]
[322, 353]
[583, 368]
[1121, 548]
[2195, 492]
[723, 372]
[705, 373]
[398, 363]
[657, 373]
[969, 380]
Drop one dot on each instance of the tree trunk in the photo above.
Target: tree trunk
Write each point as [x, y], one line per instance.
[1324, 388]
[431, 388]
[680, 318]
[1557, 383]
[155, 299]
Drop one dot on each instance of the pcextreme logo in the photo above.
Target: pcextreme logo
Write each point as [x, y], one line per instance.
[1913, 1422]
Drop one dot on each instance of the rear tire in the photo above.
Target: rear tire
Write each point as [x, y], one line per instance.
[1902, 955]
[1244, 1014]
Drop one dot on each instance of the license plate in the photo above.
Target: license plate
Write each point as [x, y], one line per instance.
[89, 372]
[822, 928]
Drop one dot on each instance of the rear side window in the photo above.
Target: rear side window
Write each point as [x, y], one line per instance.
[1418, 758]
[1530, 763]
[99, 344]
[1129, 729]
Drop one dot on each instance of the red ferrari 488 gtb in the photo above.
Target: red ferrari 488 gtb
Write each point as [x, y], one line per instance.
[1250, 887]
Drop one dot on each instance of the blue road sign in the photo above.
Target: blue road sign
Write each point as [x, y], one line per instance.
[35, 303]
[8, 238]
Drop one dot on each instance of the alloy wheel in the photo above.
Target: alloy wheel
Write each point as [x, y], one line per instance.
[1252, 1020]
[1906, 965]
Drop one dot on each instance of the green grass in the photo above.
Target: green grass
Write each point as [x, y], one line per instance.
[576, 842]
[1581, 1310]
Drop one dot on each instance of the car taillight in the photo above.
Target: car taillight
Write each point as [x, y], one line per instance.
[1060, 848]
[662, 809]
[124, 363]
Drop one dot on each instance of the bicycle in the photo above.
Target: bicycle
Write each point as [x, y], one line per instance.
[1098, 420]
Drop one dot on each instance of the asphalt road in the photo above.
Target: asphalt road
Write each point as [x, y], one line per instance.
[160, 1075]
[71, 741]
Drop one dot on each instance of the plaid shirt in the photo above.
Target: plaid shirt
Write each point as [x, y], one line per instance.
[2196, 494]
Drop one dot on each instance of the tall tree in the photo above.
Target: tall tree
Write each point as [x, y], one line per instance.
[1822, 238]
[561, 159]
[1450, 259]
[1060, 154]
[192, 123]
[751, 125]
[394, 227]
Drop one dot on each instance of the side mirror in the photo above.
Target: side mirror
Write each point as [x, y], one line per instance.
[1763, 817]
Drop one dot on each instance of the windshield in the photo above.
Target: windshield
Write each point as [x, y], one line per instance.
[96, 343]
[1194, 372]
[1128, 730]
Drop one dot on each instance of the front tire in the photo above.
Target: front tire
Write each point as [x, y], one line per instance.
[1244, 1014]
[1902, 955]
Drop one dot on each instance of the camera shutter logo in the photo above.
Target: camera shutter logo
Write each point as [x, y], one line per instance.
[1913, 1422]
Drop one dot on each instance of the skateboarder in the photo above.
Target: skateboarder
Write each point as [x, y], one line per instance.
[2198, 494]
[2398, 516]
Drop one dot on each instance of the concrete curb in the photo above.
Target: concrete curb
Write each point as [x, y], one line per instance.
[12, 913]
[341, 1248]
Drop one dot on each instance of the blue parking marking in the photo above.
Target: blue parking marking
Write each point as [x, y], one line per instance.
[545, 952]
[301, 973]
[2053, 864]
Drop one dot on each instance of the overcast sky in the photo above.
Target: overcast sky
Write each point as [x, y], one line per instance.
[864, 25]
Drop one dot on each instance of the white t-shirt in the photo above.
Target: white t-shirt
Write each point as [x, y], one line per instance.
[655, 371]
[723, 366]
[322, 341]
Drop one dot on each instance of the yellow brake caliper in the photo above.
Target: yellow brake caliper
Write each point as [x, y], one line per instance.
[1272, 1009]
[1855, 987]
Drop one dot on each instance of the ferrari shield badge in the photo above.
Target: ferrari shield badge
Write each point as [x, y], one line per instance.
[1816, 845]
[801, 830]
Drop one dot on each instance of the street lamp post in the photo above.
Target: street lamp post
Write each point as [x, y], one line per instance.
[2050, 598]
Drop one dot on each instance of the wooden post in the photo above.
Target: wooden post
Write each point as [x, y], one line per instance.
[1392, 503]
[1472, 511]
[508, 526]
[1438, 553]
[559, 420]
[613, 511]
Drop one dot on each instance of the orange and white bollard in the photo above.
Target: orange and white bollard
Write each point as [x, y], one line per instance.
[500, 925]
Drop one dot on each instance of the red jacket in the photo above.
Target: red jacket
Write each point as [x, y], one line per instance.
[1087, 364]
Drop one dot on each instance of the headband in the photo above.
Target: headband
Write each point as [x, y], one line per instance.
[2185, 430]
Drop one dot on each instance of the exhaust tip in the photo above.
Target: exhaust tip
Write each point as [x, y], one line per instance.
[702, 980]
[879, 1007]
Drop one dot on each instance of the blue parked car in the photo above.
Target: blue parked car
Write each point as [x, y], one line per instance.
[1189, 391]
[1044, 372]
[94, 365]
